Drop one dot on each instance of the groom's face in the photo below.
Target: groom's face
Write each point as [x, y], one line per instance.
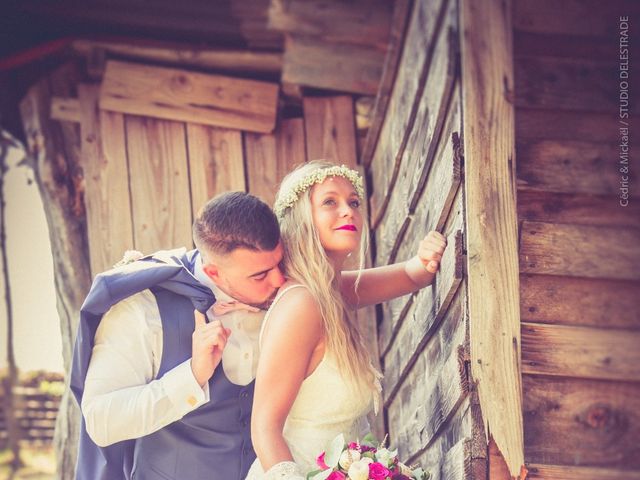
[252, 277]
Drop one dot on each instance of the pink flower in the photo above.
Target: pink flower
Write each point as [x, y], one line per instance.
[337, 476]
[377, 471]
[354, 446]
[320, 461]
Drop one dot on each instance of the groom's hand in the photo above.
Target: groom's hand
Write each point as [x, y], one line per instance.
[208, 342]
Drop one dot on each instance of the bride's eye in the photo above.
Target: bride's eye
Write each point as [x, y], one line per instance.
[329, 201]
[355, 203]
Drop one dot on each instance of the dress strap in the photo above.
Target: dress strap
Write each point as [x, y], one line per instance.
[279, 295]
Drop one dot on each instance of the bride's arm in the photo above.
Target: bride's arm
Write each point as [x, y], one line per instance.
[293, 331]
[390, 281]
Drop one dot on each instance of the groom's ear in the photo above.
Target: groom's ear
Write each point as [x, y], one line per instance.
[212, 271]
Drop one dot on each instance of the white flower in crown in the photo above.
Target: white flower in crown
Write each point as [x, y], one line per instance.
[291, 197]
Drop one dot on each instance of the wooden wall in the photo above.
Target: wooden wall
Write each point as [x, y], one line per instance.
[579, 248]
[414, 161]
[146, 177]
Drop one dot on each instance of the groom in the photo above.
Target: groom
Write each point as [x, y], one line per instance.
[162, 396]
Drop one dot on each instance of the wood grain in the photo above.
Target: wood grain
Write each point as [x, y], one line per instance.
[216, 162]
[107, 198]
[313, 62]
[191, 97]
[580, 301]
[539, 471]
[65, 109]
[270, 157]
[330, 129]
[583, 352]
[159, 174]
[491, 219]
[577, 422]
[579, 251]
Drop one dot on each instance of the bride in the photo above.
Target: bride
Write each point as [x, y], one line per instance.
[315, 379]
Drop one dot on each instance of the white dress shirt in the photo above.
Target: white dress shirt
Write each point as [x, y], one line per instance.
[123, 399]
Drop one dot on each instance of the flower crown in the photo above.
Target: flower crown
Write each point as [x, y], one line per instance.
[288, 199]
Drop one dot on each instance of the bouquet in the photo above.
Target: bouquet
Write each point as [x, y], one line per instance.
[362, 461]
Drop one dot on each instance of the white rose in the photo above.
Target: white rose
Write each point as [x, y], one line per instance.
[348, 457]
[385, 456]
[360, 470]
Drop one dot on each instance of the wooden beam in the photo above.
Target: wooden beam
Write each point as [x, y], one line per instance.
[603, 303]
[566, 166]
[330, 129]
[65, 109]
[566, 84]
[216, 162]
[583, 352]
[576, 209]
[191, 97]
[107, 197]
[159, 176]
[362, 22]
[314, 62]
[581, 423]
[489, 145]
[577, 250]
[185, 55]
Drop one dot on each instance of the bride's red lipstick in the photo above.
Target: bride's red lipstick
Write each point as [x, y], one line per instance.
[351, 228]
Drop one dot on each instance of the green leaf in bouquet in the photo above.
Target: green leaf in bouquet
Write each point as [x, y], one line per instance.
[332, 454]
[370, 441]
[322, 475]
[312, 473]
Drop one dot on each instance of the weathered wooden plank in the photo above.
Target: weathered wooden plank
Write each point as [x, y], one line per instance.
[526, 44]
[361, 22]
[580, 250]
[106, 197]
[343, 67]
[574, 17]
[433, 388]
[330, 129]
[65, 109]
[270, 157]
[431, 306]
[175, 94]
[394, 311]
[419, 111]
[491, 220]
[216, 162]
[538, 471]
[442, 181]
[569, 167]
[578, 422]
[534, 124]
[449, 457]
[399, 21]
[185, 55]
[583, 352]
[566, 84]
[159, 183]
[602, 303]
[577, 209]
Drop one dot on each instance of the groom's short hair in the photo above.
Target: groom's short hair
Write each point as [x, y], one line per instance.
[235, 220]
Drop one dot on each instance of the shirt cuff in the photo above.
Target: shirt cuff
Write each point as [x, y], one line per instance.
[183, 390]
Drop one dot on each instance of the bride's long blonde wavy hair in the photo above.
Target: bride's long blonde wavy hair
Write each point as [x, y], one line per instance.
[305, 261]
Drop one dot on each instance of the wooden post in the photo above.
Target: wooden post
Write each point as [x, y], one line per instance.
[489, 139]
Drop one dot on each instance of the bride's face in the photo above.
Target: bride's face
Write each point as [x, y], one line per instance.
[337, 216]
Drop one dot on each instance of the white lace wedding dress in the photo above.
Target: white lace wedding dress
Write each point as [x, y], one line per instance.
[327, 404]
